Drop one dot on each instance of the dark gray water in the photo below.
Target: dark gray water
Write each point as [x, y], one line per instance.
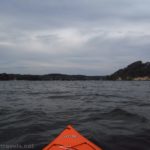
[114, 115]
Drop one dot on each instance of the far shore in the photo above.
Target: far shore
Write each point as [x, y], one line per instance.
[65, 77]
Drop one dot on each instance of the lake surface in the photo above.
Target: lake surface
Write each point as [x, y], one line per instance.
[112, 114]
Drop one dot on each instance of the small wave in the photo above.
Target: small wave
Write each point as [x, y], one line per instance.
[31, 114]
[121, 114]
[5, 111]
[45, 92]
[61, 96]
[116, 114]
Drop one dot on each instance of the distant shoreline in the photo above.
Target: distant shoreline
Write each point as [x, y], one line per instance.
[65, 77]
[137, 71]
[49, 77]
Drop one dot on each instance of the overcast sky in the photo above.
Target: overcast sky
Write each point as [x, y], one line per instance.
[92, 37]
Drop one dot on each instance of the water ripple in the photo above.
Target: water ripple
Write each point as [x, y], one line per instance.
[114, 115]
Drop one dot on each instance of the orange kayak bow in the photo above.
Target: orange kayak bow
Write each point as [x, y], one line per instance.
[70, 139]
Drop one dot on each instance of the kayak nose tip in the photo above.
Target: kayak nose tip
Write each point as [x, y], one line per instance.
[69, 126]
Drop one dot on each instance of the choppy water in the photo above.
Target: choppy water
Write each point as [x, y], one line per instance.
[114, 115]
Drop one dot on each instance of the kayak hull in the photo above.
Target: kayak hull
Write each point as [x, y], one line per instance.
[70, 139]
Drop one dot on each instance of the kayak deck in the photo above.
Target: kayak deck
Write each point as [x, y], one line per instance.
[70, 139]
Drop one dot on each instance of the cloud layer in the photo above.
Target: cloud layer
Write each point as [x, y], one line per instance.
[76, 37]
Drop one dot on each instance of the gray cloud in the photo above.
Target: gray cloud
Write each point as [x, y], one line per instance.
[75, 37]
